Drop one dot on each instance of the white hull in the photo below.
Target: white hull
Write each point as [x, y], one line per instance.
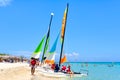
[50, 73]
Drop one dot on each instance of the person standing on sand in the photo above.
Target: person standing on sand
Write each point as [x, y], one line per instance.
[33, 65]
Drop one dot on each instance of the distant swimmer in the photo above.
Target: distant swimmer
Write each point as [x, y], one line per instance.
[86, 64]
[82, 65]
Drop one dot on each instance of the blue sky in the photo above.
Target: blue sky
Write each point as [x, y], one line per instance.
[92, 31]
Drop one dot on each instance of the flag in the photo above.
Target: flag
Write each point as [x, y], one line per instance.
[38, 50]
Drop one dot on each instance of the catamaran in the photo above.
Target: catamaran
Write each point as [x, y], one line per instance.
[49, 57]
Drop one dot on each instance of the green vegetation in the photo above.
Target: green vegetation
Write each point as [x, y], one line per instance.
[3, 54]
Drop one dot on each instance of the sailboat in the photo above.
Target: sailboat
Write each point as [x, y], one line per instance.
[50, 58]
[37, 52]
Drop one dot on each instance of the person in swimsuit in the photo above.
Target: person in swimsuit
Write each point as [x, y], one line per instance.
[68, 70]
[63, 69]
[33, 65]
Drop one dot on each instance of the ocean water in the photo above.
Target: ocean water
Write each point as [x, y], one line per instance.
[97, 70]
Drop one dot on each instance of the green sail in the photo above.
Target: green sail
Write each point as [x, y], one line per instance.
[38, 50]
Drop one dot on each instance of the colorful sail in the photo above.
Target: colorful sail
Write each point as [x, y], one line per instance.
[63, 24]
[64, 58]
[47, 39]
[63, 31]
[50, 59]
[51, 55]
[38, 50]
[47, 45]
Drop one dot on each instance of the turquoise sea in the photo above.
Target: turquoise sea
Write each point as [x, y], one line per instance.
[97, 70]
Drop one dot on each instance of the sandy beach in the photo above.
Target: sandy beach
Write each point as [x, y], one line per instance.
[20, 71]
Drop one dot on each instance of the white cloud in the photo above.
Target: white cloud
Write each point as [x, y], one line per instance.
[4, 3]
[72, 54]
[71, 57]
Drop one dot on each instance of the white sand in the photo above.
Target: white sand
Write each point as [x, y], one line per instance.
[20, 71]
[11, 65]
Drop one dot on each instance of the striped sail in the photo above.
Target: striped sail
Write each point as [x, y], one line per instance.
[51, 55]
[63, 57]
[38, 50]
[63, 25]
[47, 39]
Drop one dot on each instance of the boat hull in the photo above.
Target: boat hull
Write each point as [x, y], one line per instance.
[50, 73]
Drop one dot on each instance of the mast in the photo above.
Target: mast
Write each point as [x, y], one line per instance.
[48, 33]
[63, 28]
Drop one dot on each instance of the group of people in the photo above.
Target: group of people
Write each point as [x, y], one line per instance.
[55, 67]
[66, 69]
